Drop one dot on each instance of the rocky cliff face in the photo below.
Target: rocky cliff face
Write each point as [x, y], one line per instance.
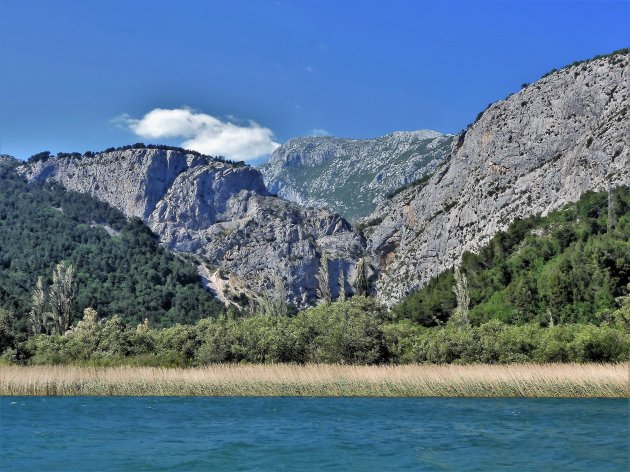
[531, 153]
[220, 213]
[350, 176]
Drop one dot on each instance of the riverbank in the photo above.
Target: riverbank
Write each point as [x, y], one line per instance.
[517, 380]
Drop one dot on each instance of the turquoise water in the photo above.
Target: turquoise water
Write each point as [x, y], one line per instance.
[301, 434]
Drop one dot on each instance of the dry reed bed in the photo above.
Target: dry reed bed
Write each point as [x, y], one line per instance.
[522, 380]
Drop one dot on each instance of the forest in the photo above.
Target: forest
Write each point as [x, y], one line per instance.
[120, 267]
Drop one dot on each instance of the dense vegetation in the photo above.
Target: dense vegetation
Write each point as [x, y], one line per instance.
[356, 331]
[120, 267]
[567, 267]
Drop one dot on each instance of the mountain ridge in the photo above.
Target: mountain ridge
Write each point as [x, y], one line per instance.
[530, 153]
[218, 211]
[350, 176]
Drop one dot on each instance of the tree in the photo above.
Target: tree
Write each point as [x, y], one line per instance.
[361, 286]
[38, 308]
[40, 156]
[144, 326]
[62, 293]
[280, 294]
[90, 324]
[7, 330]
[257, 306]
[343, 332]
[323, 279]
[460, 316]
[611, 211]
[342, 284]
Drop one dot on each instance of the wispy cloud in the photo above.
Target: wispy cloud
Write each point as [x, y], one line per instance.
[319, 132]
[204, 133]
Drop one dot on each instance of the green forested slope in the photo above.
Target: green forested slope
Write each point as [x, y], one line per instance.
[123, 271]
[564, 268]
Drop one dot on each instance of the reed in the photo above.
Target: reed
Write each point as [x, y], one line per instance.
[517, 380]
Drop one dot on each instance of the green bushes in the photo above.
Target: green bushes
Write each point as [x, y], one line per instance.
[356, 331]
[345, 332]
[498, 343]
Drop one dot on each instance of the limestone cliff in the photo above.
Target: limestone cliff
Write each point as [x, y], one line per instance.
[218, 212]
[531, 153]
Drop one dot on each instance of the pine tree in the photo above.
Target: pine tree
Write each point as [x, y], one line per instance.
[281, 308]
[460, 316]
[361, 286]
[611, 210]
[7, 331]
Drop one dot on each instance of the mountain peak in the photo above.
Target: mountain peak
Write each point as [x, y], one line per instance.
[350, 176]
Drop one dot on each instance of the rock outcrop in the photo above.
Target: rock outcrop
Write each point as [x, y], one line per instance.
[218, 212]
[531, 153]
[350, 176]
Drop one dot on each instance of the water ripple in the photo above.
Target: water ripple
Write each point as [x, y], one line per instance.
[200, 434]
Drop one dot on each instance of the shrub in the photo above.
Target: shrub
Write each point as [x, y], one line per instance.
[343, 332]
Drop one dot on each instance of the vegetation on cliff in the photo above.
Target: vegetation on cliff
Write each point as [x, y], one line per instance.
[120, 268]
[570, 266]
[46, 155]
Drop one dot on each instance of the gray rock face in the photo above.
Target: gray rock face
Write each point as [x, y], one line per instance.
[350, 176]
[531, 153]
[219, 212]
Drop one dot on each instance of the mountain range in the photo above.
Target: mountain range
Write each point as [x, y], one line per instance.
[423, 198]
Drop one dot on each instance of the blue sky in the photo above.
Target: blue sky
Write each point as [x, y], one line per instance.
[248, 75]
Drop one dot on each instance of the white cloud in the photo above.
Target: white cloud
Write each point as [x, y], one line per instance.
[204, 133]
[319, 132]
